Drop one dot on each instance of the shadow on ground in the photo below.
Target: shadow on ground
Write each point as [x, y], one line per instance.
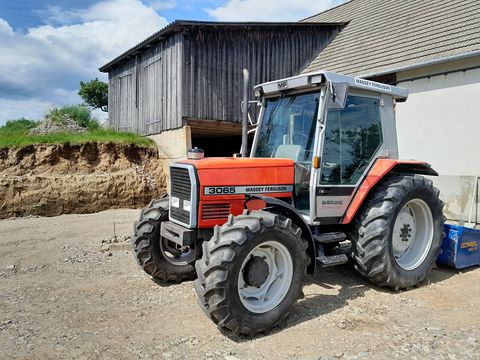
[349, 284]
[443, 272]
[352, 285]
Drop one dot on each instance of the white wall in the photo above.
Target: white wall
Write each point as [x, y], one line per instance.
[172, 145]
[440, 124]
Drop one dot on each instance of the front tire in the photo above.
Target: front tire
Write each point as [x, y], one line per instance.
[252, 272]
[398, 232]
[155, 255]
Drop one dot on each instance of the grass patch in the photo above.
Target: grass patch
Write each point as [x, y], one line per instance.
[20, 138]
[81, 114]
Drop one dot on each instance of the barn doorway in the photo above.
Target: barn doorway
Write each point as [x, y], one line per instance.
[218, 145]
[216, 138]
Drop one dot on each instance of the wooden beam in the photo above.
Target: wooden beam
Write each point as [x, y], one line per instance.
[211, 128]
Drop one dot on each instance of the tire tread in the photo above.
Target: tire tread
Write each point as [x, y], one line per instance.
[146, 231]
[221, 252]
[374, 221]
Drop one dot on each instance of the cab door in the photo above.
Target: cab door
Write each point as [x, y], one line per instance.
[353, 138]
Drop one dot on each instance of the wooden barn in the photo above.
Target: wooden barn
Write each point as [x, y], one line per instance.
[183, 84]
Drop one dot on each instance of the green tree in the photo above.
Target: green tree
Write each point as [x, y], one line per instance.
[95, 94]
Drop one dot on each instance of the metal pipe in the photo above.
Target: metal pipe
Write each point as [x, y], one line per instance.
[245, 114]
[474, 203]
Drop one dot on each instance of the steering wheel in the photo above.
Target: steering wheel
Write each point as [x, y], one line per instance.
[301, 135]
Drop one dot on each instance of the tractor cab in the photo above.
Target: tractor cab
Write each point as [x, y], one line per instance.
[332, 127]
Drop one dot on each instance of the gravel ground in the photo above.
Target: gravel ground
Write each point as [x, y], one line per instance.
[68, 289]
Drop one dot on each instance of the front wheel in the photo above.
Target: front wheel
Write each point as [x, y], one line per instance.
[157, 256]
[398, 232]
[252, 272]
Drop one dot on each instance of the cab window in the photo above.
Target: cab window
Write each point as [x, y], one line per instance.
[352, 137]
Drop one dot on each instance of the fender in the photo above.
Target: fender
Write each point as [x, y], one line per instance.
[284, 208]
[378, 171]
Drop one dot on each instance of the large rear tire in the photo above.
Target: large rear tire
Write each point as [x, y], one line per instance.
[156, 256]
[398, 231]
[252, 272]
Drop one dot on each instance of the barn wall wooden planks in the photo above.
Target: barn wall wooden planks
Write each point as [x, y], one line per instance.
[215, 58]
[196, 72]
[144, 92]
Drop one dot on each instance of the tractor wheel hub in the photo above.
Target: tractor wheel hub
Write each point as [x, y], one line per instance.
[412, 234]
[256, 271]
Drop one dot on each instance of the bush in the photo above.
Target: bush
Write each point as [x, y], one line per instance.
[81, 114]
[19, 125]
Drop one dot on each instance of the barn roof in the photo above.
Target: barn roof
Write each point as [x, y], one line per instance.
[181, 25]
[385, 36]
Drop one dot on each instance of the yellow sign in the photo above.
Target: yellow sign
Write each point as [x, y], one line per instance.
[468, 244]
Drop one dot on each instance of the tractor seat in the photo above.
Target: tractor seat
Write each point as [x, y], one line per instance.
[293, 152]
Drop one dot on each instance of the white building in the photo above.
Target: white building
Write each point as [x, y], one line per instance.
[431, 48]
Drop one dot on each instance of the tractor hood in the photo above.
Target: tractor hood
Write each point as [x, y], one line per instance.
[236, 177]
[238, 163]
[221, 185]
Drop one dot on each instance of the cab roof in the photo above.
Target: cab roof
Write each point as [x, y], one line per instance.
[317, 78]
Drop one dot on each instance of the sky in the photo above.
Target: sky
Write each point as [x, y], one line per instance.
[48, 47]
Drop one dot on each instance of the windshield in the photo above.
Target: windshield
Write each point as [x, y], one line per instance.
[287, 129]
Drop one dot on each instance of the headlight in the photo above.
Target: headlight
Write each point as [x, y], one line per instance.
[175, 202]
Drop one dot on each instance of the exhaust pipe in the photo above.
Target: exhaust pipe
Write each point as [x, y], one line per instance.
[245, 114]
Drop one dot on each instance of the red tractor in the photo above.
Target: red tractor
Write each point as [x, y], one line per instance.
[323, 170]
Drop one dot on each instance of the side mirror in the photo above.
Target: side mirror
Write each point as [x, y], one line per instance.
[338, 96]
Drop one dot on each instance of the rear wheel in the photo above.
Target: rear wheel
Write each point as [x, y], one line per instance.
[252, 272]
[157, 256]
[398, 232]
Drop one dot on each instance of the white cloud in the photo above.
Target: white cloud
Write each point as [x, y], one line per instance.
[46, 63]
[5, 29]
[15, 109]
[162, 5]
[270, 10]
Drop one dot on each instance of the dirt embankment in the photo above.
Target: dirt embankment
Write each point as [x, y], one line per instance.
[50, 180]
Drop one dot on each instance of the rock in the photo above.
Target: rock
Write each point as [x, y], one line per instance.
[338, 354]
[230, 357]
[52, 126]
[11, 267]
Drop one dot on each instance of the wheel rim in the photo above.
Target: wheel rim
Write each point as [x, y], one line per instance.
[175, 254]
[260, 292]
[412, 234]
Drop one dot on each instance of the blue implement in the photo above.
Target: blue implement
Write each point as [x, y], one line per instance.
[460, 247]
